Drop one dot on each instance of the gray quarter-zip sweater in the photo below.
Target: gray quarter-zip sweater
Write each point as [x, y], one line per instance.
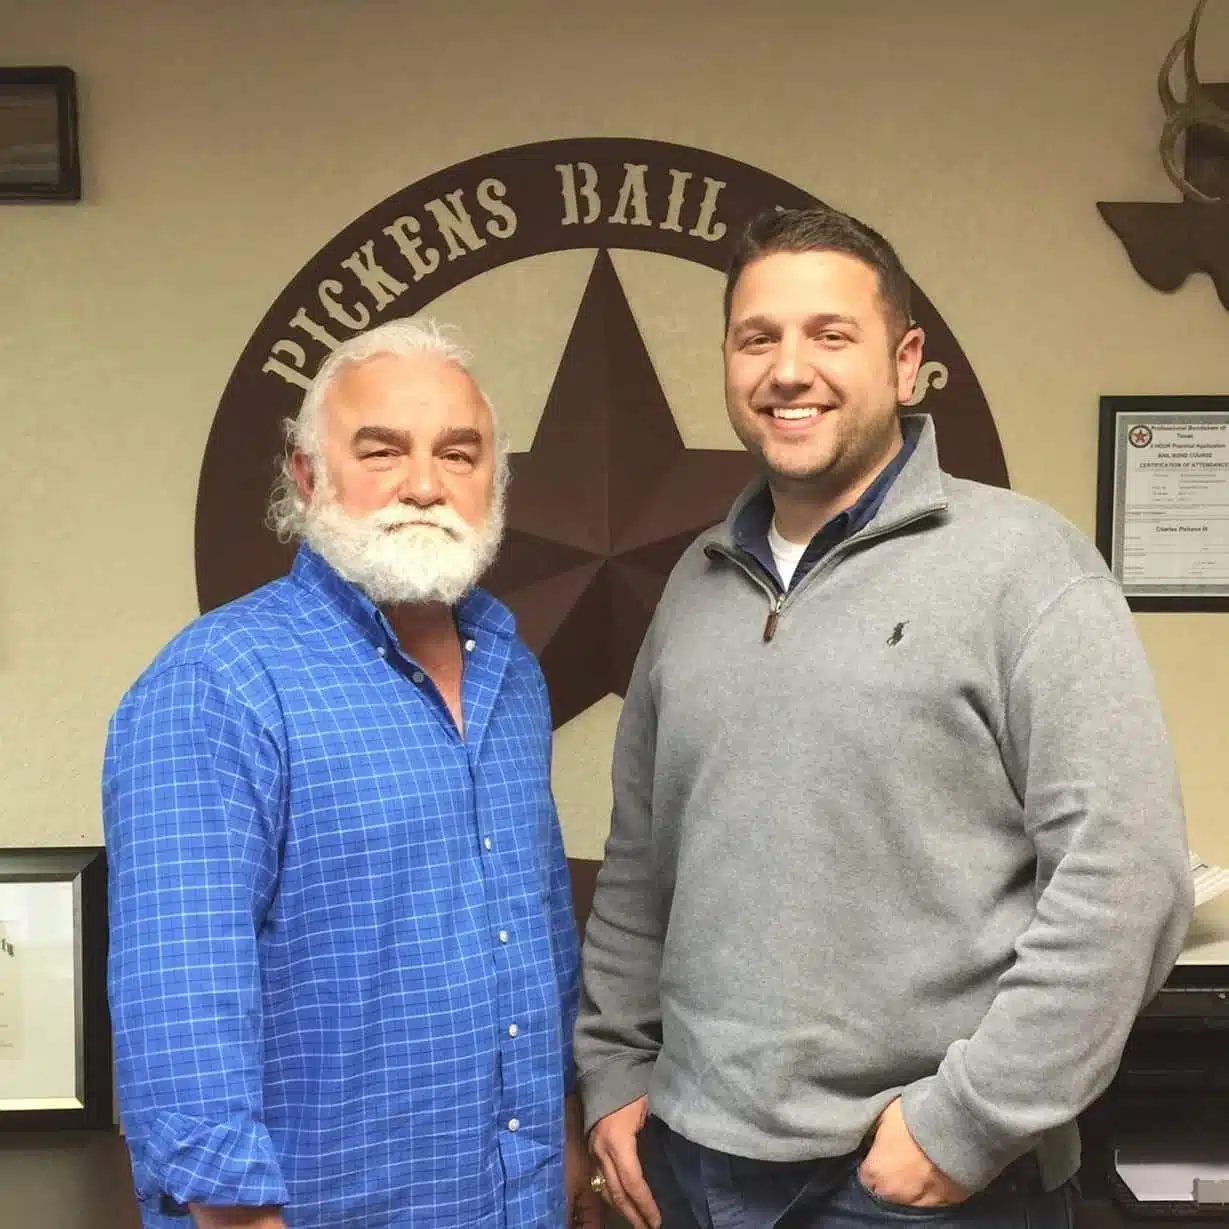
[925, 841]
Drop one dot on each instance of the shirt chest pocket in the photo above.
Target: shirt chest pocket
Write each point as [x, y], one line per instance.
[377, 810]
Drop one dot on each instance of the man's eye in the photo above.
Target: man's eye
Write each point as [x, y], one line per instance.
[757, 341]
[379, 454]
[460, 458]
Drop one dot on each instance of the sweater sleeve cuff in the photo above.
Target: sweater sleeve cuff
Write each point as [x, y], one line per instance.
[952, 1138]
[220, 1164]
[616, 1083]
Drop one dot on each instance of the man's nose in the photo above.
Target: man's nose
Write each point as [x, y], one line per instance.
[421, 485]
[791, 369]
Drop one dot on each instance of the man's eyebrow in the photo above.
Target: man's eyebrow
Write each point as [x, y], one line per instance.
[754, 324]
[825, 318]
[381, 435]
[458, 435]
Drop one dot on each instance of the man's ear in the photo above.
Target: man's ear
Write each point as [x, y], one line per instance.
[304, 474]
[908, 363]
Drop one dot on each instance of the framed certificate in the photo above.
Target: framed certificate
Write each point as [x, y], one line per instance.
[55, 1032]
[1163, 500]
[38, 135]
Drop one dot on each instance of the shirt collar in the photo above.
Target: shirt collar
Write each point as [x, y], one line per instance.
[754, 518]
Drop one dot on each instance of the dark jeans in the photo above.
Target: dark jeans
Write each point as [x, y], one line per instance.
[697, 1188]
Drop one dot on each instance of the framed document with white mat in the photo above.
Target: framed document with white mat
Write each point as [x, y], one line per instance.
[55, 1034]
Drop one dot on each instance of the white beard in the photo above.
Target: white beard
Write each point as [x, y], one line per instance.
[402, 553]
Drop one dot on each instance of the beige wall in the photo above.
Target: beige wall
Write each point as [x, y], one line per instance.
[225, 142]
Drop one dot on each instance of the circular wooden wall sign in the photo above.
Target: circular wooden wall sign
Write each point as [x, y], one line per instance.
[608, 496]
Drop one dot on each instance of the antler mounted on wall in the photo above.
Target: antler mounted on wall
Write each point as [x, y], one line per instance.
[1199, 107]
[1166, 243]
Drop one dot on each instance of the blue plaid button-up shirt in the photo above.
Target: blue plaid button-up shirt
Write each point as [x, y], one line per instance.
[344, 964]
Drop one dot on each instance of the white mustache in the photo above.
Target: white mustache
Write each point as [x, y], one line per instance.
[391, 519]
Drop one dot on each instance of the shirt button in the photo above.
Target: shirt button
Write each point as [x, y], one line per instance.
[514, 1124]
[486, 842]
[417, 676]
[513, 1030]
[503, 936]
[469, 646]
[383, 652]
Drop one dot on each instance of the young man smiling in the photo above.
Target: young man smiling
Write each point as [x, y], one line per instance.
[897, 849]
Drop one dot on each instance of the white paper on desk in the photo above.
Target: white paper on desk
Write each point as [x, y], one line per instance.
[1165, 1172]
[1210, 881]
[10, 997]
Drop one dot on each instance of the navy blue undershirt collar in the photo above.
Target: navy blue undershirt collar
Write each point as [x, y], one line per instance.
[752, 523]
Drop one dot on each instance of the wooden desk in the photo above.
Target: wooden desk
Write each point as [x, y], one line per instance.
[67, 1180]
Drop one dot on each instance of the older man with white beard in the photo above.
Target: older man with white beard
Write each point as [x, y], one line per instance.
[343, 958]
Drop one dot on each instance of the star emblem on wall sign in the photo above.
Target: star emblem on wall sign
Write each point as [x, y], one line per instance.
[603, 505]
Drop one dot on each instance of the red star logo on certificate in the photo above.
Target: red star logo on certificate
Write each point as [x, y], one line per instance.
[603, 505]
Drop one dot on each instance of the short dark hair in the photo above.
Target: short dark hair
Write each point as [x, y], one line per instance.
[821, 229]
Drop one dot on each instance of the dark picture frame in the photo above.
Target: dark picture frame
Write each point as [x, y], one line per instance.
[84, 872]
[39, 156]
[1129, 427]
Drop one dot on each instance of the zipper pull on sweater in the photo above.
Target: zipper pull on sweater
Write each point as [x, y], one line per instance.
[774, 616]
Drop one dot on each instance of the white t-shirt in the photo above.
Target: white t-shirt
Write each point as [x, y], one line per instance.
[786, 555]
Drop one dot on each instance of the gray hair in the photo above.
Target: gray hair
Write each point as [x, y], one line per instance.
[408, 335]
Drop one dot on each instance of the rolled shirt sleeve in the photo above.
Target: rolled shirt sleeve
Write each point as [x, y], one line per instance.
[193, 800]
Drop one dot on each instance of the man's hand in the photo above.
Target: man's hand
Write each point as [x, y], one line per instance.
[897, 1170]
[612, 1143]
[236, 1218]
[584, 1206]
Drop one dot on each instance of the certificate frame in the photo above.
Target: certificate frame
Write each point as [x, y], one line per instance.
[39, 154]
[1128, 423]
[74, 883]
